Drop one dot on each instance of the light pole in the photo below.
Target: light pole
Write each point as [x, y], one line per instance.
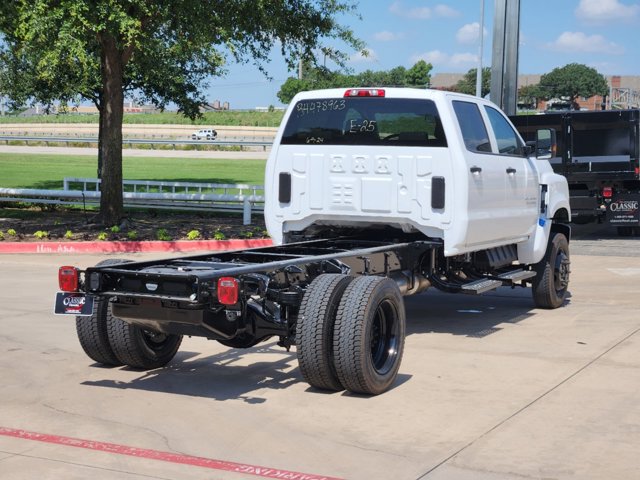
[479, 72]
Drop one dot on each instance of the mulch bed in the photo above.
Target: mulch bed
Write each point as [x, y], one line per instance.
[41, 225]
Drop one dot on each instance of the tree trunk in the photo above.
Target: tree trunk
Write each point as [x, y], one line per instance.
[111, 203]
[100, 133]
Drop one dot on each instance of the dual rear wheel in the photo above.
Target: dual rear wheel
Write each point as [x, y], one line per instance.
[111, 341]
[350, 333]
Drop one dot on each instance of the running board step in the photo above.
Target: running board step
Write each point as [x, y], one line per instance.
[487, 284]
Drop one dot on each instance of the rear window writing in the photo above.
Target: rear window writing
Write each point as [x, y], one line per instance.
[365, 121]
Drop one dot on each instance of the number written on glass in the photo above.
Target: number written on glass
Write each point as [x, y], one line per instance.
[362, 125]
[317, 106]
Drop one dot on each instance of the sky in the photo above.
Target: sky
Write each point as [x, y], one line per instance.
[603, 34]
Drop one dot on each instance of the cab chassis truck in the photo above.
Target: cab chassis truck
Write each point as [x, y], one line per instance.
[371, 194]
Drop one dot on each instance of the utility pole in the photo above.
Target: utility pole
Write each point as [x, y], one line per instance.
[479, 72]
[504, 65]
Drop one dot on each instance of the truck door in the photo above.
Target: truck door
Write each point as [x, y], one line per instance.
[502, 200]
[521, 189]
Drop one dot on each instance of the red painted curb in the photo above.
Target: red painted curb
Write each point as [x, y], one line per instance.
[132, 247]
[171, 457]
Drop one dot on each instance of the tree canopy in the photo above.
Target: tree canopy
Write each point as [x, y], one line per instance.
[419, 75]
[161, 51]
[467, 84]
[572, 81]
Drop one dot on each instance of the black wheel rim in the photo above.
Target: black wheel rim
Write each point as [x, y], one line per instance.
[154, 340]
[384, 338]
[561, 271]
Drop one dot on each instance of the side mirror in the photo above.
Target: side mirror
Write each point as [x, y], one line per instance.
[545, 144]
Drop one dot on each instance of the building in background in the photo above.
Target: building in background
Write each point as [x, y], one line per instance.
[624, 92]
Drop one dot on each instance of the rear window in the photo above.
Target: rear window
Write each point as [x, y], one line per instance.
[365, 121]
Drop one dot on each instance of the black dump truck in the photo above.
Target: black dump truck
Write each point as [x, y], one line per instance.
[599, 154]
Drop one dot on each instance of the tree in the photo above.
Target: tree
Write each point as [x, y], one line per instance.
[420, 74]
[162, 51]
[530, 94]
[572, 81]
[468, 83]
[417, 76]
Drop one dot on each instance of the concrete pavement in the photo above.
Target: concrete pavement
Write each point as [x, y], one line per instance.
[490, 388]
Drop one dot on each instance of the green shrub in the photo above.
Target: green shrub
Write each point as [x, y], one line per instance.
[115, 229]
[68, 235]
[218, 235]
[40, 234]
[11, 232]
[1, 235]
[102, 236]
[194, 235]
[162, 234]
[132, 235]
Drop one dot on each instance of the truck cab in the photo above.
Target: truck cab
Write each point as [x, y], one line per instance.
[448, 165]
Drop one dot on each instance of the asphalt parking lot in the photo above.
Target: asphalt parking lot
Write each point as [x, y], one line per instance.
[490, 388]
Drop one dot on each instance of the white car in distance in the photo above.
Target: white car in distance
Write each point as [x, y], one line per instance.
[204, 134]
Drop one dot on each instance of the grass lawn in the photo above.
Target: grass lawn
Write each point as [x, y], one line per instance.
[47, 171]
[227, 117]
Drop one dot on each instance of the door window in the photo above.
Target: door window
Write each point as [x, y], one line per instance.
[474, 131]
[508, 141]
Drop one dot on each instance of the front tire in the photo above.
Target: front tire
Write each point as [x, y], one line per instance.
[551, 282]
[314, 331]
[369, 335]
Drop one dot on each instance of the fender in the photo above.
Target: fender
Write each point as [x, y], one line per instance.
[554, 208]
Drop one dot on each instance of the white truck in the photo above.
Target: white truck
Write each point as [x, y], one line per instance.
[371, 194]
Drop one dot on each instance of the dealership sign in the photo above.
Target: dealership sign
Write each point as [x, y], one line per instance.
[624, 211]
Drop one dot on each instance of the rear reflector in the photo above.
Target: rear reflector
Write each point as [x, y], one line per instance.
[364, 92]
[607, 192]
[68, 279]
[228, 288]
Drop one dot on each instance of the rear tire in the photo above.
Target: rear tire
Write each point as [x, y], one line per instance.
[549, 286]
[92, 331]
[314, 331]
[141, 348]
[369, 335]
[93, 336]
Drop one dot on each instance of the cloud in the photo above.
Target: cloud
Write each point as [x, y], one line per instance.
[603, 11]
[361, 58]
[469, 33]
[440, 60]
[463, 59]
[581, 42]
[422, 13]
[387, 36]
[446, 11]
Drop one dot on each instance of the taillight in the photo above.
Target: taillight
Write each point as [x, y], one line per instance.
[68, 279]
[228, 288]
[607, 192]
[364, 92]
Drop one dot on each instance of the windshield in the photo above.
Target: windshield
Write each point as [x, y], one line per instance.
[365, 121]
